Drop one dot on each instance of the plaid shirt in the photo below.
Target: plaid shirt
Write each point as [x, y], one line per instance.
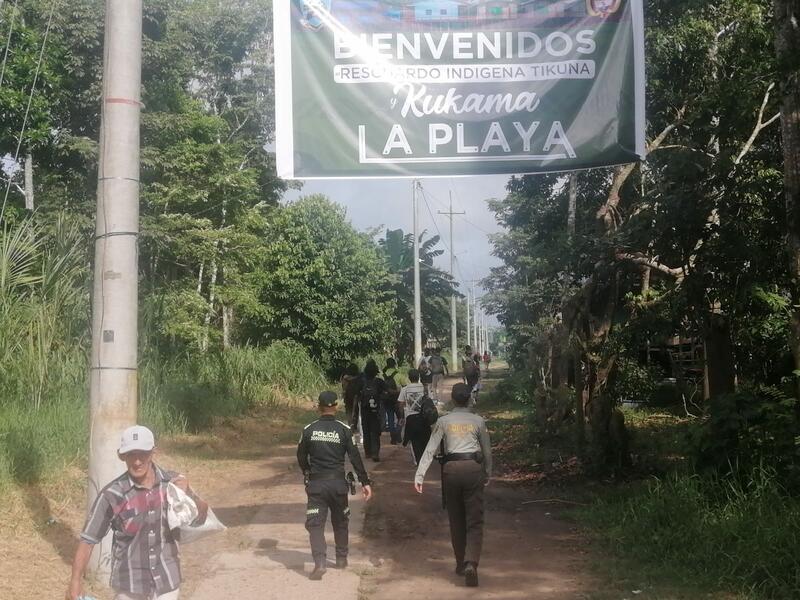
[145, 556]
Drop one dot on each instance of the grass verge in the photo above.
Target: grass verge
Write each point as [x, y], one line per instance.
[664, 532]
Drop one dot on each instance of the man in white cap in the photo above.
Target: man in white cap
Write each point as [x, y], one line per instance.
[145, 564]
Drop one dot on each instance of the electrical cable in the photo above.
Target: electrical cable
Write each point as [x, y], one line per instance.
[8, 40]
[430, 212]
[478, 227]
[30, 101]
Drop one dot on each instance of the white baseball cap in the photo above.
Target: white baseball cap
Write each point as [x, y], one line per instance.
[136, 438]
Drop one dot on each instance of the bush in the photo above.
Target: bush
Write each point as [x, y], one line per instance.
[517, 387]
[633, 382]
[750, 428]
[718, 531]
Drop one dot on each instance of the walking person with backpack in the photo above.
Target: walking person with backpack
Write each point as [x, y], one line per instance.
[438, 369]
[424, 368]
[391, 391]
[369, 394]
[420, 414]
[472, 372]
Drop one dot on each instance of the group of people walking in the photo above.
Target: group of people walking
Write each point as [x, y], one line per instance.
[459, 440]
[135, 506]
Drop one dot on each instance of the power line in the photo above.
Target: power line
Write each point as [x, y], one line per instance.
[478, 227]
[430, 212]
[8, 40]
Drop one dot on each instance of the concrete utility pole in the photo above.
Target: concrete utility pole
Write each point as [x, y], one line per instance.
[453, 323]
[29, 203]
[469, 329]
[475, 321]
[114, 376]
[417, 302]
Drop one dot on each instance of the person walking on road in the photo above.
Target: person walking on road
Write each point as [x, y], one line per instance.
[439, 370]
[349, 384]
[145, 562]
[391, 391]
[320, 454]
[472, 372]
[467, 467]
[424, 368]
[369, 396]
[420, 414]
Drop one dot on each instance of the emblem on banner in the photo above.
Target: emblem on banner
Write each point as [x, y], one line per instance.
[602, 8]
[314, 12]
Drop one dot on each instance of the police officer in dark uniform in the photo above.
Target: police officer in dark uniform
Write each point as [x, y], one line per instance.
[320, 454]
[467, 467]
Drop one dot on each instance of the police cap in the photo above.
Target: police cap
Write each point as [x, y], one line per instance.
[327, 399]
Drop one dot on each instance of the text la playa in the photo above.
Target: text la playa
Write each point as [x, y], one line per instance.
[479, 140]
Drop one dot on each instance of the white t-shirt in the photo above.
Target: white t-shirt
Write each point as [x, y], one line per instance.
[410, 397]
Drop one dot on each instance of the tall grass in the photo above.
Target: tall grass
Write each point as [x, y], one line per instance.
[730, 535]
[44, 343]
[176, 395]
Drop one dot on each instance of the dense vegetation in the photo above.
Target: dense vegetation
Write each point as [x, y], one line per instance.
[671, 284]
[243, 300]
[675, 282]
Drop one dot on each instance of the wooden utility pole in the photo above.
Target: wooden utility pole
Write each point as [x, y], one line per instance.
[453, 323]
[114, 376]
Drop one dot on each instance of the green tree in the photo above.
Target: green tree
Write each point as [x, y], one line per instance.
[436, 289]
[322, 284]
[683, 244]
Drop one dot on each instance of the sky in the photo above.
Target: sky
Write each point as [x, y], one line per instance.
[386, 203]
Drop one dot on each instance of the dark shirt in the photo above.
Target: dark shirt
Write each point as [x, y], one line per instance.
[322, 448]
[362, 403]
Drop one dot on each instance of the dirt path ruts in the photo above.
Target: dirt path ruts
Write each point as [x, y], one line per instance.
[527, 554]
[405, 547]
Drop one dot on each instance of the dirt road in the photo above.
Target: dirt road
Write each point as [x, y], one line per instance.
[399, 544]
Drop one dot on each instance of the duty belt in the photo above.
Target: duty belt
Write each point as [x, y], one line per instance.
[326, 476]
[476, 456]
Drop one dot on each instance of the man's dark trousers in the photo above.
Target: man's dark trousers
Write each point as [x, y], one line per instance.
[371, 427]
[418, 432]
[323, 495]
[463, 490]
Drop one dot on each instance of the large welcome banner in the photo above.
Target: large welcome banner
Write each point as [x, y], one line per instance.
[408, 88]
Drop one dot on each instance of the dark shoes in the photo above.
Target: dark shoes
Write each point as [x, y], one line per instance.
[471, 575]
[460, 568]
[341, 562]
[318, 572]
[375, 459]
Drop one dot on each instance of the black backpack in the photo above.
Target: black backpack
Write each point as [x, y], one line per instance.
[428, 411]
[370, 395]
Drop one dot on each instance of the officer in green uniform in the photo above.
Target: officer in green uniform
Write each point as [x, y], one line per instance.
[467, 467]
[320, 454]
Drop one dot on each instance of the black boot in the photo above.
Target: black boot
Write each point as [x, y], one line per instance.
[318, 572]
[341, 562]
[460, 568]
[471, 575]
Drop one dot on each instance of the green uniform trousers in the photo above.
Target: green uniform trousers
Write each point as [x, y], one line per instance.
[463, 491]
